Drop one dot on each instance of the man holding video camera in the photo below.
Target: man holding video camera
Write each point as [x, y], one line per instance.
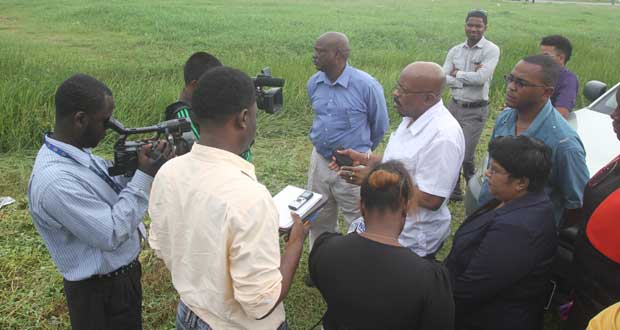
[217, 229]
[349, 112]
[91, 223]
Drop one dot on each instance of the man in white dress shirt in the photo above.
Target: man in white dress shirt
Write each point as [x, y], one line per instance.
[429, 141]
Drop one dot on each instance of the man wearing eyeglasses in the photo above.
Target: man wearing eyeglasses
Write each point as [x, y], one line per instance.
[429, 141]
[529, 112]
[469, 68]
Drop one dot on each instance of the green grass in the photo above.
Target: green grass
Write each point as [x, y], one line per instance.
[138, 49]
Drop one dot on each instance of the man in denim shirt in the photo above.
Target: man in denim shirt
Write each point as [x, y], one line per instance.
[529, 87]
[349, 112]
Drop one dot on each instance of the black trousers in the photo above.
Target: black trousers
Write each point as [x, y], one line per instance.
[113, 303]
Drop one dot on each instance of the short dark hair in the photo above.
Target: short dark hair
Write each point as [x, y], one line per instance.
[80, 92]
[550, 69]
[198, 64]
[560, 43]
[477, 13]
[523, 157]
[388, 186]
[221, 92]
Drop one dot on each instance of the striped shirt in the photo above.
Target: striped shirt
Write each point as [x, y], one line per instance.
[85, 224]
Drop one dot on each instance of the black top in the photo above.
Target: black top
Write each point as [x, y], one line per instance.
[369, 285]
[597, 277]
[500, 264]
[606, 181]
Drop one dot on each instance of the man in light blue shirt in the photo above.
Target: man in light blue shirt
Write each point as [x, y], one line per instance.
[529, 88]
[89, 221]
[349, 112]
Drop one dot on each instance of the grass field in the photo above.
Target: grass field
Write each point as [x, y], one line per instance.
[138, 48]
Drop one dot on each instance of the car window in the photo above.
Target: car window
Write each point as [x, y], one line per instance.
[607, 105]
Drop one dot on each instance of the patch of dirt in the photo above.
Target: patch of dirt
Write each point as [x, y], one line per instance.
[6, 19]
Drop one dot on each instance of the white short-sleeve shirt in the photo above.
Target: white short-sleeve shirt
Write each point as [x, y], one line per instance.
[432, 150]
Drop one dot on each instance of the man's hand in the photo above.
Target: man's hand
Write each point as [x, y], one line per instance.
[478, 67]
[357, 157]
[151, 159]
[298, 231]
[354, 174]
[454, 72]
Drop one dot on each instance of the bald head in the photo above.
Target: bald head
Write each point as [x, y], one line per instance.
[335, 41]
[427, 76]
[419, 88]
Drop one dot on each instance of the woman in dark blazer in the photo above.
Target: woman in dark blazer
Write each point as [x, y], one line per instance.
[501, 257]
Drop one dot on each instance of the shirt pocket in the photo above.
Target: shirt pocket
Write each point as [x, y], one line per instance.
[476, 57]
[459, 62]
[357, 117]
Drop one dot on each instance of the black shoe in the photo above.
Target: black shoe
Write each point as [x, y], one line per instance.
[308, 281]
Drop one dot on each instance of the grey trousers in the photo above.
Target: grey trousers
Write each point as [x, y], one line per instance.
[340, 195]
[472, 122]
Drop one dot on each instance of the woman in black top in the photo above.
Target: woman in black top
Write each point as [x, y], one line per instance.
[369, 280]
[501, 257]
[597, 252]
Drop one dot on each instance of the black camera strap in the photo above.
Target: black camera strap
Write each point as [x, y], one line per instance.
[115, 186]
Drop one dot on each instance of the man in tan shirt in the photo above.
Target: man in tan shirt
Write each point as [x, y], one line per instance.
[215, 226]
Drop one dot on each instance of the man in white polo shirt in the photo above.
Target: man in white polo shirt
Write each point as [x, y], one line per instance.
[430, 142]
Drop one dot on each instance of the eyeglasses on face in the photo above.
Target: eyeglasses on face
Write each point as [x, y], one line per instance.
[402, 91]
[493, 171]
[520, 83]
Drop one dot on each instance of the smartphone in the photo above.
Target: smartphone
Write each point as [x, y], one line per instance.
[342, 160]
[300, 200]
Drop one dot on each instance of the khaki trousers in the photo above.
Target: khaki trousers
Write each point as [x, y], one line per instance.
[340, 195]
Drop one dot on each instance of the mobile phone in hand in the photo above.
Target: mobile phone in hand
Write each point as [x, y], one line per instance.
[342, 160]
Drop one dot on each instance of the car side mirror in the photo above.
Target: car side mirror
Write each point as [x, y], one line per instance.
[594, 89]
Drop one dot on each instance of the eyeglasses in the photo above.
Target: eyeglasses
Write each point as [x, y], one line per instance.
[492, 171]
[520, 83]
[402, 91]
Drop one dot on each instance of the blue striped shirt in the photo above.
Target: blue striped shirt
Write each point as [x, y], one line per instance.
[350, 112]
[87, 227]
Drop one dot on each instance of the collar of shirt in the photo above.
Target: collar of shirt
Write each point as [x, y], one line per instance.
[418, 125]
[343, 79]
[537, 125]
[480, 43]
[210, 154]
[82, 156]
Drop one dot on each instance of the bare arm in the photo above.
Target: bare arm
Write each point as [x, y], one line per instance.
[428, 201]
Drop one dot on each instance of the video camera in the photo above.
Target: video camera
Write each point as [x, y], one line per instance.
[268, 99]
[126, 152]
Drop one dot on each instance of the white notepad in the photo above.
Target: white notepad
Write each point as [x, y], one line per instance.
[288, 195]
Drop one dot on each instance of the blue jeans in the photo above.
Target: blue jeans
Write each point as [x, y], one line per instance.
[187, 320]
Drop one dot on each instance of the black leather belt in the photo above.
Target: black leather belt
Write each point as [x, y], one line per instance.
[123, 270]
[476, 104]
